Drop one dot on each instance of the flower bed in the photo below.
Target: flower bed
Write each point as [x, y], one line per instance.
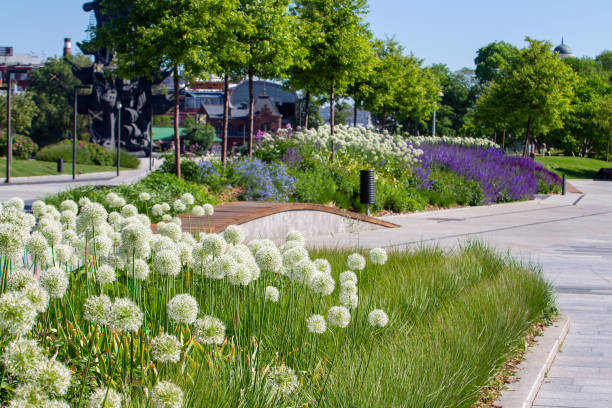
[96, 310]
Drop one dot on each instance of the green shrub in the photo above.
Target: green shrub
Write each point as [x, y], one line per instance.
[87, 153]
[23, 146]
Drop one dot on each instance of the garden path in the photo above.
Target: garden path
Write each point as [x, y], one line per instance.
[571, 237]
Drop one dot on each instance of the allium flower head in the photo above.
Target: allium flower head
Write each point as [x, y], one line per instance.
[233, 235]
[338, 316]
[303, 271]
[167, 262]
[16, 203]
[38, 207]
[378, 256]
[17, 313]
[68, 219]
[105, 274]
[348, 276]
[91, 216]
[144, 220]
[63, 253]
[96, 310]
[295, 255]
[37, 296]
[209, 330]
[179, 206]
[323, 265]
[316, 324]
[53, 233]
[54, 281]
[271, 294]
[322, 283]
[209, 210]
[172, 231]
[257, 244]
[144, 196]
[269, 259]
[12, 240]
[36, 244]
[54, 378]
[18, 278]
[214, 245]
[134, 234]
[69, 205]
[165, 207]
[356, 262]
[28, 395]
[166, 218]
[183, 309]
[221, 267]
[129, 210]
[198, 211]
[165, 348]
[187, 199]
[104, 398]
[140, 270]
[167, 395]
[83, 201]
[349, 299]
[157, 210]
[101, 245]
[23, 358]
[240, 275]
[125, 315]
[295, 236]
[160, 242]
[282, 380]
[378, 317]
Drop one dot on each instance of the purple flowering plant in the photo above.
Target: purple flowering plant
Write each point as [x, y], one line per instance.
[264, 181]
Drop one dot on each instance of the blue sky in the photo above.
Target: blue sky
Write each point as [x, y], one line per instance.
[443, 31]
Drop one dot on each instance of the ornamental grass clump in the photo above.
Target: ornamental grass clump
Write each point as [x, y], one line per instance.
[106, 309]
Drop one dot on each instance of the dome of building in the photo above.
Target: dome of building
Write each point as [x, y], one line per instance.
[563, 50]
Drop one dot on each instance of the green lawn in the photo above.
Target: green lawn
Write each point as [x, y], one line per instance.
[25, 168]
[573, 167]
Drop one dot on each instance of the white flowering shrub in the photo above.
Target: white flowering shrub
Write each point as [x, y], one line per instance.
[453, 141]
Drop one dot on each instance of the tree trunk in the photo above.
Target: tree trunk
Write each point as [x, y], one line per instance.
[355, 115]
[495, 136]
[608, 151]
[251, 113]
[332, 115]
[177, 140]
[527, 134]
[225, 119]
[384, 117]
[504, 139]
[307, 110]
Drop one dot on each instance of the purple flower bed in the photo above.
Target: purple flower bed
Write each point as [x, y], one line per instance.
[264, 181]
[501, 177]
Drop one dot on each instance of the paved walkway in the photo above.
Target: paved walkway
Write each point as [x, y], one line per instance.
[571, 237]
[33, 188]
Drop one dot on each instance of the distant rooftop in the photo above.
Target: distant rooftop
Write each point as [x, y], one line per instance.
[23, 59]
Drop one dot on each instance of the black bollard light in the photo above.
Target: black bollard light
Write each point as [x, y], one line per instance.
[367, 191]
[60, 166]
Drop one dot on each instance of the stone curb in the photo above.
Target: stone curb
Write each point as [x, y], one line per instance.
[532, 370]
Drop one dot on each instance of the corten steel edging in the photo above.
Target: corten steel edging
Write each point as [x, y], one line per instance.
[238, 213]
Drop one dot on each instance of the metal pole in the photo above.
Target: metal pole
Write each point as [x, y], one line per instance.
[9, 136]
[74, 134]
[151, 139]
[564, 186]
[118, 137]
[433, 129]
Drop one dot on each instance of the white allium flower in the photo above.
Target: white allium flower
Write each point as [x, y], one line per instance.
[348, 276]
[183, 309]
[69, 205]
[187, 199]
[157, 210]
[38, 207]
[240, 275]
[105, 274]
[54, 281]
[172, 231]
[37, 296]
[322, 283]
[349, 300]
[101, 245]
[96, 310]
[115, 238]
[257, 244]
[176, 220]
[269, 259]
[56, 404]
[214, 245]
[16, 203]
[338, 316]
[17, 313]
[46, 258]
[162, 243]
[23, 358]
[294, 256]
[167, 395]
[323, 265]
[378, 256]
[282, 380]
[119, 202]
[28, 395]
[140, 270]
[68, 218]
[129, 210]
[221, 267]
[144, 219]
[378, 317]
[91, 216]
[104, 398]
[165, 348]
[12, 240]
[233, 234]
[188, 238]
[167, 262]
[18, 278]
[272, 294]
[53, 234]
[316, 324]
[179, 206]
[111, 198]
[303, 271]
[125, 315]
[209, 330]
[116, 261]
[208, 209]
[290, 245]
[70, 237]
[295, 236]
[198, 211]
[63, 253]
[165, 207]
[83, 201]
[134, 234]
[356, 262]
[166, 217]
[54, 378]
[144, 196]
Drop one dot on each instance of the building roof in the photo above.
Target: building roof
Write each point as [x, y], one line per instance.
[23, 59]
[563, 50]
[240, 93]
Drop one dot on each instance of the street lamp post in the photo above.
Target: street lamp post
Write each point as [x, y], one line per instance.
[75, 121]
[118, 136]
[433, 128]
[9, 135]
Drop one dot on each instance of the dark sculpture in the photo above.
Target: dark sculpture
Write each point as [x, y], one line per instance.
[133, 99]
